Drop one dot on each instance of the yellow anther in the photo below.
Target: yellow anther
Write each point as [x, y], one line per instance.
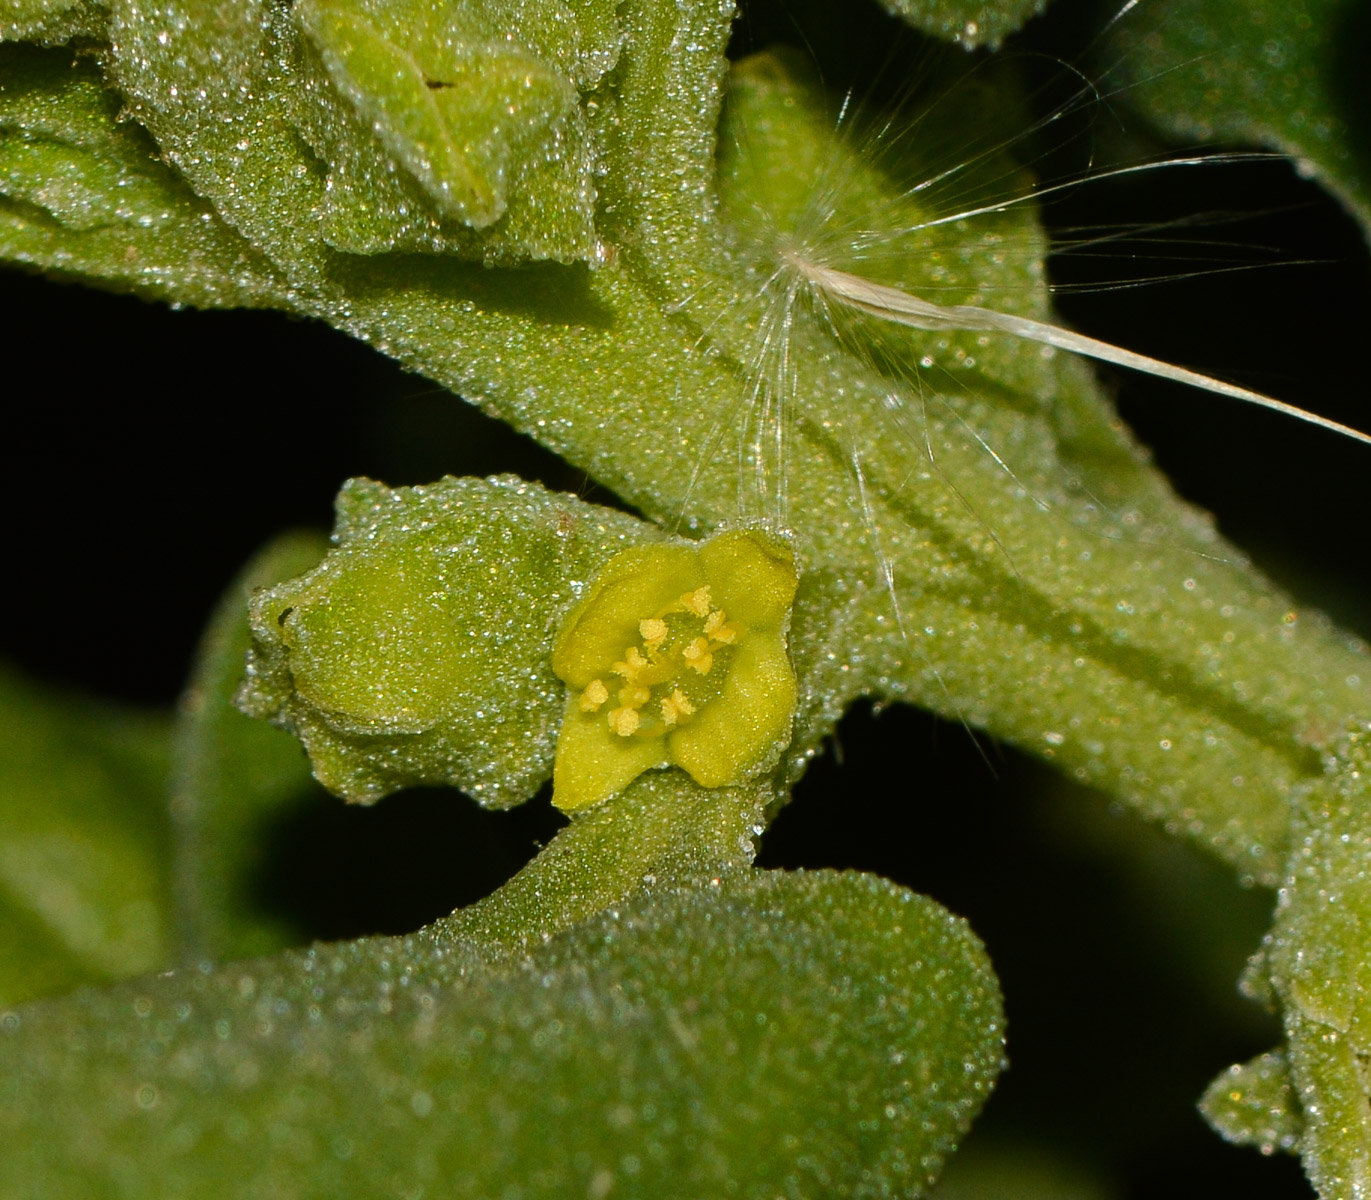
[697, 601]
[653, 631]
[624, 721]
[632, 664]
[594, 696]
[676, 706]
[718, 631]
[697, 656]
[634, 695]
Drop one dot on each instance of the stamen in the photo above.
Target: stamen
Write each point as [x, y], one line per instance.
[632, 664]
[634, 696]
[698, 657]
[675, 707]
[718, 631]
[697, 601]
[594, 696]
[624, 721]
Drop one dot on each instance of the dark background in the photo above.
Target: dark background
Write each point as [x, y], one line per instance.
[149, 452]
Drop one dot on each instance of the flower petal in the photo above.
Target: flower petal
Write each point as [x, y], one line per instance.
[635, 584]
[594, 762]
[745, 729]
[751, 576]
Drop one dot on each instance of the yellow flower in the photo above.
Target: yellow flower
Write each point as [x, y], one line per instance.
[676, 656]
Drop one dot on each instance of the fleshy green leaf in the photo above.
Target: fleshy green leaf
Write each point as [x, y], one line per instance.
[447, 123]
[1317, 960]
[1100, 623]
[84, 894]
[970, 23]
[418, 651]
[663, 829]
[1254, 1104]
[220, 108]
[1051, 591]
[52, 22]
[226, 109]
[1265, 72]
[1193, 670]
[776, 1031]
[83, 194]
[230, 774]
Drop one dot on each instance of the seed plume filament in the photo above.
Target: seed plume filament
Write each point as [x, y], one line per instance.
[901, 308]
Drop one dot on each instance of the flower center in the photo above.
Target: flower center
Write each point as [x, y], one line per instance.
[675, 668]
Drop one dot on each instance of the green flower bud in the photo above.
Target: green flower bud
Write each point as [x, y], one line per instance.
[417, 651]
